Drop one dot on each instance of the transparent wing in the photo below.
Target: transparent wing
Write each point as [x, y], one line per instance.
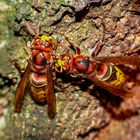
[132, 60]
[19, 96]
[122, 92]
[51, 100]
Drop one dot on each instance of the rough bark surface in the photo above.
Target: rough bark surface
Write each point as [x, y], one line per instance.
[82, 109]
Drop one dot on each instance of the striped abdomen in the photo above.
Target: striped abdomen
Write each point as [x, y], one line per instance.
[110, 74]
[38, 87]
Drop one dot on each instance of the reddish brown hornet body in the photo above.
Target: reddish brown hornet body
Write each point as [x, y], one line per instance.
[39, 75]
[45, 61]
[101, 70]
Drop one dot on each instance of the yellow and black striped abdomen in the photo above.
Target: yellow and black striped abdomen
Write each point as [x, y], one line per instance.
[110, 74]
